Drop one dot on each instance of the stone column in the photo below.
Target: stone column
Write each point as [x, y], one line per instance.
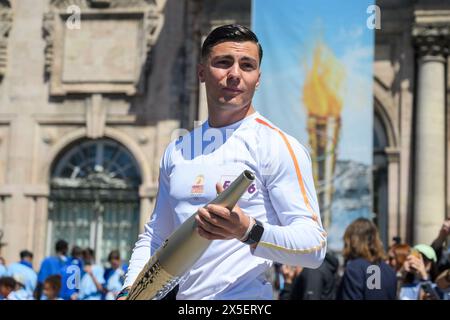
[429, 174]
[394, 228]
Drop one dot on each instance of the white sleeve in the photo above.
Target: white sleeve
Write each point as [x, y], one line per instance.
[300, 239]
[156, 230]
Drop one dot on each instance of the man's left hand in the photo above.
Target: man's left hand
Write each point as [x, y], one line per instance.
[218, 223]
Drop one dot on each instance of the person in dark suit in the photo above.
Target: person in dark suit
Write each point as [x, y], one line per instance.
[317, 284]
[366, 275]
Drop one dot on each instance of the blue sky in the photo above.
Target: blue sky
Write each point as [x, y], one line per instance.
[288, 31]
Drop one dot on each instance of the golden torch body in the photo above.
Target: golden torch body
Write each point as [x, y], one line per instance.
[322, 97]
[182, 249]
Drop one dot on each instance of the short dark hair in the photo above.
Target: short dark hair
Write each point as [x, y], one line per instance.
[62, 246]
[26, 254]
[114, 254]
[230, 32]
[8, 282]
[76, 251]
[54, 281]
[89, 252]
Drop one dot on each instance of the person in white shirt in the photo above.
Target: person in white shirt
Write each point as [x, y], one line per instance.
[12, 289]
[277, 219]
[92, 281]
[23, 272]
[114, 276]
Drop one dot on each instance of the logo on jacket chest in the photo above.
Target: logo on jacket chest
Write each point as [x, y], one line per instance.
[198, 188]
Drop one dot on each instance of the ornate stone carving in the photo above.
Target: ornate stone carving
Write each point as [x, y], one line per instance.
[142, 138]
[85, 4]
[5, 27]
[48, 136]
[432, 39]
[64, 4]
[110, 50]
[47, 32]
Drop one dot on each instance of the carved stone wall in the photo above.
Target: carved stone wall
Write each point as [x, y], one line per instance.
[99, 46]
[64, 84]
[5, 26]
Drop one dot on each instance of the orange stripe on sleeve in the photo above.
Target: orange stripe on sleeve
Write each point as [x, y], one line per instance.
[297, 168]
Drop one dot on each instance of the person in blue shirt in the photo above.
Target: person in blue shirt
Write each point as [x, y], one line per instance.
[114, 276]
[23, 272]
[52, 265]
[71, 275]
[91, 286]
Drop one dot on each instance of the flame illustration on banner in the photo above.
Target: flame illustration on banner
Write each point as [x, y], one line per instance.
[322, 97]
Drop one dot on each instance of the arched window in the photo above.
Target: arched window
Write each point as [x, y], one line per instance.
[94, 200]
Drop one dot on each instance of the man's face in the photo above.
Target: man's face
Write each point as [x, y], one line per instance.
[231, 74]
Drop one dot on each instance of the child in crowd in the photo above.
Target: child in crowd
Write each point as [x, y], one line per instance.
[52, 286]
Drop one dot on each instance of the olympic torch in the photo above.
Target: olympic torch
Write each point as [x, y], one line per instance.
[321, 96]
[182, 249]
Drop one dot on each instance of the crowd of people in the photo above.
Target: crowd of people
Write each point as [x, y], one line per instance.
[62, 276]
[405, 272]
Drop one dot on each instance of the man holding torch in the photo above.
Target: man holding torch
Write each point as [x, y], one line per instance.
[277, 218]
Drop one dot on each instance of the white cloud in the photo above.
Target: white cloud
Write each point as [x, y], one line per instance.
[350, 34]
[358, 62]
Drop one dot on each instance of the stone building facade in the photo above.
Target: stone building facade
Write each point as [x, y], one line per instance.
[411, 91]
[91, 92]
[69, 95]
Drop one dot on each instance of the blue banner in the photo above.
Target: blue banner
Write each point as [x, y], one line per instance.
[316, 85]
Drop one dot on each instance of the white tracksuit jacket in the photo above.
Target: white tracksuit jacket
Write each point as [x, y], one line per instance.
[283, 197]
